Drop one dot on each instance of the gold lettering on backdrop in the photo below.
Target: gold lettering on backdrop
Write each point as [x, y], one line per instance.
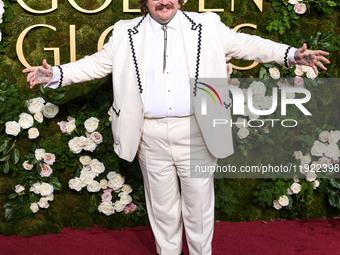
[72, 43]
[19, 45]
[29, 9]
[201, 7]
[78, 8]
[259, 4]
[254, 63]
[102, 38]
[126, 7]
[56, 55]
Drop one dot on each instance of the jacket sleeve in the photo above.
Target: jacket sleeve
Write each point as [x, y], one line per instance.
[250, 47]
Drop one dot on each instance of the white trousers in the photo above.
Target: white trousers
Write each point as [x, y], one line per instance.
[167, 148]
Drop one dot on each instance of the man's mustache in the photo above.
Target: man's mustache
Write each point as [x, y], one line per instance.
[162, 6]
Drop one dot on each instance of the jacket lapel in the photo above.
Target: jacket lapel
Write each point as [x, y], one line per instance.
[192, 35]
[138, 42]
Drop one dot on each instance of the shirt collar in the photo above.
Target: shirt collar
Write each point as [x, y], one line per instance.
[173, 24]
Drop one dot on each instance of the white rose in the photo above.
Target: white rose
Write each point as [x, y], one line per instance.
[81, 141]
[119, 206]
[90, 145]
[298, 154]
[316, 184]
[50, 197]
[274, 73]
[284, 84]
[33, 133]
[36, 105]
[94, 186]
[70, 126]
[87, 176]
[290, 95]
[19, 188]
[234, 82]
[324, 162]
[91, 124]
[243, 132]
[12, 128]
[306, 159]
[125, 198]
[85, 160]
[318, 149]
[323, 136]
[43, 203]
[50, 110]
[103, 183]
[106, 207]
[34, 207]
[39, 117]
[311, 176]
[36, 188]
[289, 191]
[296, 178]
[258, 101]
[39, 154]
[305, 69]
[126, 188]
[311, 74]
[110, 112]
[268, 102]
[334, 137]
[73, 145]
[332, 151]
[253, 116]
[46, 170]
[241, 122]
[300, 8]
[27, 166]
[97, 166]
[25, 120]
[283, 200]
[295, 187]
[258, 88]
[276, 205]
[116, 181]
[293, 2]
[96, 137]
[298, 70]
[46, 189]
[76, 184]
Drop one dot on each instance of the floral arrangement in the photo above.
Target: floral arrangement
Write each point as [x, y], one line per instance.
[326, 153]
[93, 168]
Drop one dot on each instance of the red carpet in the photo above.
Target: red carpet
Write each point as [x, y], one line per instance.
[275, 237]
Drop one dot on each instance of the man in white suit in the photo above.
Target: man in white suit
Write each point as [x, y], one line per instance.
[152, 59]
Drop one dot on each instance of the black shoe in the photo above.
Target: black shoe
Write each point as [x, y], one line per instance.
[181, 253]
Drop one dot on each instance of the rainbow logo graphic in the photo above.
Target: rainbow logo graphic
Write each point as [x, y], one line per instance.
[204, 102]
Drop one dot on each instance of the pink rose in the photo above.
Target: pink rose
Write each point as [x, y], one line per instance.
[46, 170]
[324, 161]
[62, 125]
[108, 190]
[300, 8]
[49, 158]
[229, 68]
[283, 84]
[227, 58]
[69, 118]
[298, 82]
[130, 208]
[106, 196]
[96, 137]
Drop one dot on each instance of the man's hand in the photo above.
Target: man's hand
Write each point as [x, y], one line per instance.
[39, 74]
[312, 58]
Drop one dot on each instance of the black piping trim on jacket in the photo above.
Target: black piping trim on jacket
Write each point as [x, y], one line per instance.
[116, 112]
[61, 76]
[286, 57]
[130, 32]
[194, 27]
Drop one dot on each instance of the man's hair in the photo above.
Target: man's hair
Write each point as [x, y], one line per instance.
[144, 9]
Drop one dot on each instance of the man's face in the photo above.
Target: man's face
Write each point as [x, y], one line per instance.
[162, 10]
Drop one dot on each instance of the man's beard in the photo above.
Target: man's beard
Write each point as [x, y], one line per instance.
[162, 6]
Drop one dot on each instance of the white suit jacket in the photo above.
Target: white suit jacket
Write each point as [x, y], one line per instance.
[206, 40]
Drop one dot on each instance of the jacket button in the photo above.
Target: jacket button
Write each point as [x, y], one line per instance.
[142, 110]
[140, 130]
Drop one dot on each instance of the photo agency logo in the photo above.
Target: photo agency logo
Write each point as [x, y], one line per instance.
[250, 101]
